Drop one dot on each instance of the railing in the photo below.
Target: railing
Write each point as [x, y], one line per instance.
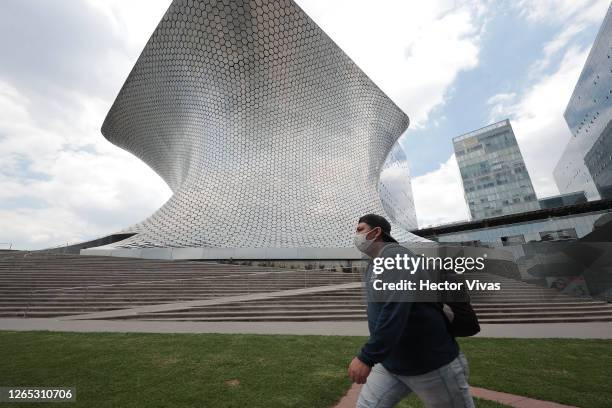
[10, 244]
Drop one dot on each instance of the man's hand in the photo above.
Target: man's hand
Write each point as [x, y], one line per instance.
[358, 371]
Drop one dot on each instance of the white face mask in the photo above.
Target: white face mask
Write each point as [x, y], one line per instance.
[362, 243]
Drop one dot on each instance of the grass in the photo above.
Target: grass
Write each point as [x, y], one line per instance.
[569, 371]
[214, 370]
[413, 402]
[179, 370]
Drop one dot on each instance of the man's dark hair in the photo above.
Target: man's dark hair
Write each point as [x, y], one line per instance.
[375, 220]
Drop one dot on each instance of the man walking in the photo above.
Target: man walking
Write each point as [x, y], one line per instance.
[410, 348]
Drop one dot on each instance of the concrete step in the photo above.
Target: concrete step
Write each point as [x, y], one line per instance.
[198, 314]
[233, 309]
[118, 298]
[362, 318]
[562, 319]
[161, 286]
[159, 291]
[262, 307]
[171, 297]
[318, 318]
[43, 285]
[63, 310]
[75, 303]
[543, 314]
[298, 300]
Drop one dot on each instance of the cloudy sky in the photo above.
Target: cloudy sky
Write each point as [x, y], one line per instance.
[452, 66]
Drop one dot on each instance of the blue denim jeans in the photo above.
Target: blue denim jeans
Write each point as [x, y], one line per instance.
[445, 387]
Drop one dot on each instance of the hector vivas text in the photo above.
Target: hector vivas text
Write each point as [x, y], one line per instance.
[399, 273]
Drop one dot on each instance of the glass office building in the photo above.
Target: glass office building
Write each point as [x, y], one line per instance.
[586, 163]
[495, 179]
[562, 200]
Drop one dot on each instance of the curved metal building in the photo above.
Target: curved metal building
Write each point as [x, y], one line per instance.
[395, 189]
[267, 133]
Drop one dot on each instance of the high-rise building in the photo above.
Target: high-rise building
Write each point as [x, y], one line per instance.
[495, 179]
[586, 163]
[267, 133]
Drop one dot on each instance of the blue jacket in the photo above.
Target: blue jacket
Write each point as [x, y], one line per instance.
[407, 338]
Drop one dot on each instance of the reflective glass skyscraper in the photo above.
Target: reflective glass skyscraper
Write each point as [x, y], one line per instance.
[267, 133]
[495, 179]
[586, 163]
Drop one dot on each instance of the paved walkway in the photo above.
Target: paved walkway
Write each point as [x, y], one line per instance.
[350, 399]
[300, 328]
[596, 330]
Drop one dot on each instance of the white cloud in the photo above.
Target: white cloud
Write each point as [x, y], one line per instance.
[537, 119]
[555, 11]
[572, 16]
[438, 195]
[500, 106]
[134, 20]
[412, 52]
[61, 180]
[64, 193]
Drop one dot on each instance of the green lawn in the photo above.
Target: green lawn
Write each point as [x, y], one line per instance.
[213, 370]
[573, 372]
[413, 402]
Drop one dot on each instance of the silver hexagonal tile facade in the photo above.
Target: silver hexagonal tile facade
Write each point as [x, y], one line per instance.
[268, 134]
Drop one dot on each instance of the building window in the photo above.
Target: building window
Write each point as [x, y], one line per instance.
[559, 235]
[513, 240]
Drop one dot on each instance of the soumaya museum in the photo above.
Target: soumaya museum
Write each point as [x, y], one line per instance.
[269, 136]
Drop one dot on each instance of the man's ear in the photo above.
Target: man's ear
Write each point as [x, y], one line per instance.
[369, 233]
[379, 236]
